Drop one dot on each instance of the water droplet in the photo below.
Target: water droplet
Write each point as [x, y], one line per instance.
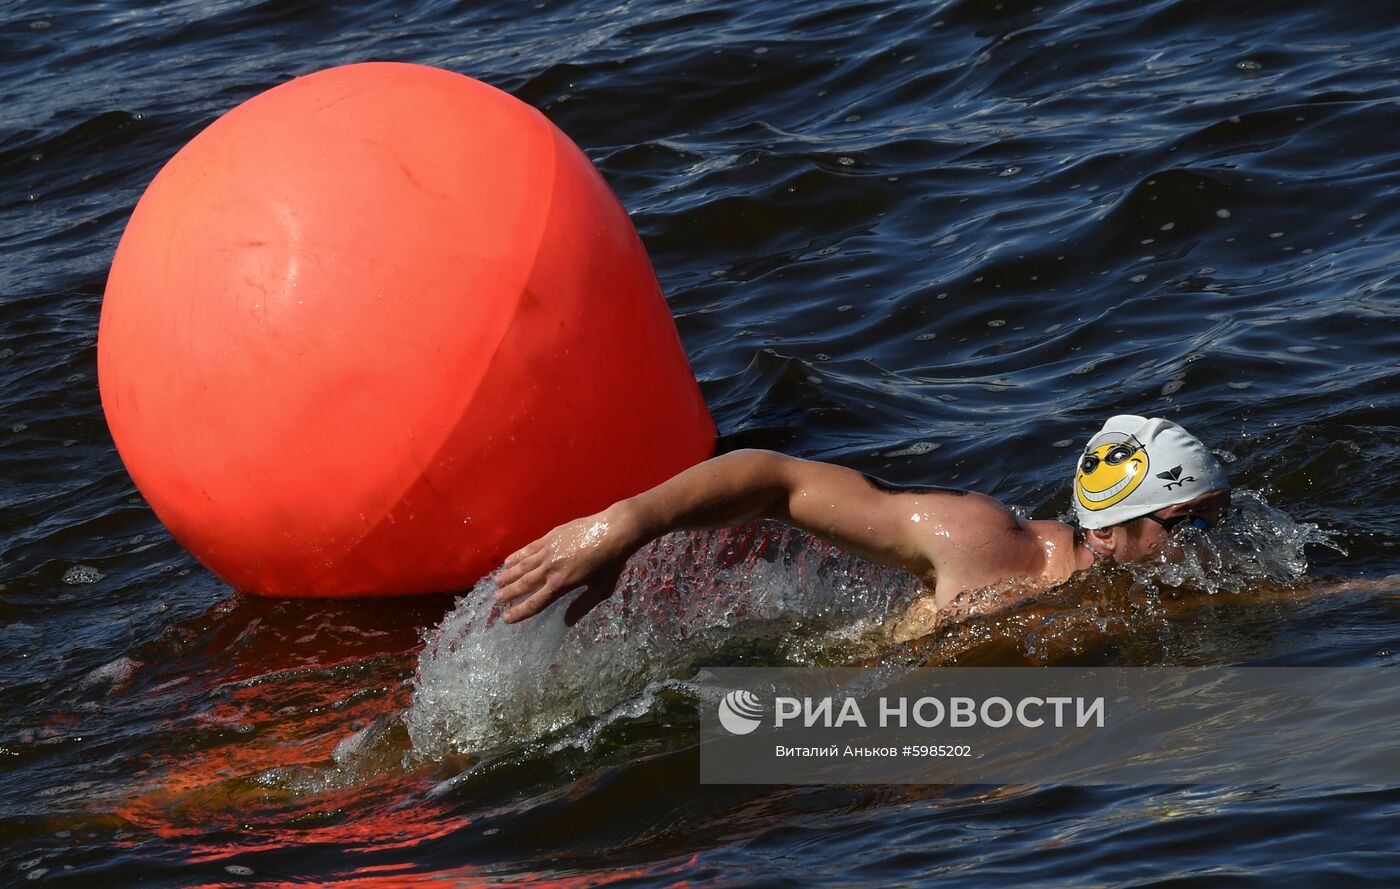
[1248, 65]
[996, 322]
[925, 337]
[846, 161]
[239, 870]
[1173, 386]
[1166, 227]
[1223, 213]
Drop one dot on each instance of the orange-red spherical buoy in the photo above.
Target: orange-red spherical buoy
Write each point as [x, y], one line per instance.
[377, 327]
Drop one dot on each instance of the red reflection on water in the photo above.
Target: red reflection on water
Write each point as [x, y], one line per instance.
[468, 877]
[288, 732]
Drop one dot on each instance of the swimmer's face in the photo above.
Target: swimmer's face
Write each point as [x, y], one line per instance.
[1109, 472]
[1142, 538]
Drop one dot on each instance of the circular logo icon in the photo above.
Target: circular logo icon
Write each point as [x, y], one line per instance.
[740, 712]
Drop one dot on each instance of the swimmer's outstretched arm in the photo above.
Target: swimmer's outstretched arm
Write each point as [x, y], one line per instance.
[923, 531]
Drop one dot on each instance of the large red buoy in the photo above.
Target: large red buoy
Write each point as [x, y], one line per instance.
[377, 327]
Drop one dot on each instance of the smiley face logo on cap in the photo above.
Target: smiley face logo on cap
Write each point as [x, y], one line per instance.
[1113, 466]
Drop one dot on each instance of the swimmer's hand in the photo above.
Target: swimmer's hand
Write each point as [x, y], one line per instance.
[589, 552]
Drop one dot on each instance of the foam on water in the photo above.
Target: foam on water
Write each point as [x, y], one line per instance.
[114, 674]
[757, 594]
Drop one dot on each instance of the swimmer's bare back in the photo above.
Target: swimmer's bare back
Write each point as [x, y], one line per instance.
[952, 540]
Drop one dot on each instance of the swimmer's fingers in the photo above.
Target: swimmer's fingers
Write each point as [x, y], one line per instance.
[524, 583]
[517, 566]
[538, 590]
[535, 591]
[534, 604]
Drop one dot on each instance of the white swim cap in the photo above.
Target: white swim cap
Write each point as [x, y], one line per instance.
[1135, 466]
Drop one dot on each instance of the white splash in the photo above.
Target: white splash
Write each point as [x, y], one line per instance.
[761, 594]
[1255, 543]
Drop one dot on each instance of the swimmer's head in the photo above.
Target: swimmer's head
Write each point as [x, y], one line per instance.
[1136, 467]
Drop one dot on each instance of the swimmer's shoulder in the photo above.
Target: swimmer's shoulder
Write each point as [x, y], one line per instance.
[1029, 555]
[1057, 549]
[981, 543]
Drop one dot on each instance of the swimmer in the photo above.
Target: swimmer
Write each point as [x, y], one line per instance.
[1137, 482]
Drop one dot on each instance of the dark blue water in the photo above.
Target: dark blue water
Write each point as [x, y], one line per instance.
[939, 242]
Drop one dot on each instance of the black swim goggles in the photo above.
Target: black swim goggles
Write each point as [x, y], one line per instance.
[1171, 523]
